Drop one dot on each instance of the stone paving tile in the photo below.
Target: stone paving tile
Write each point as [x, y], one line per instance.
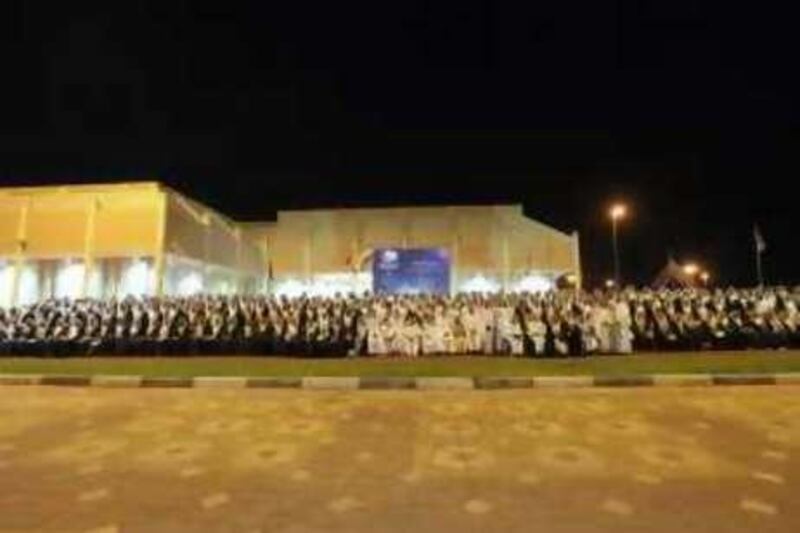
[113, 528]
[616, 459]
[477, 506]
[617, 507]
[192, 471]
[775, 455]
[769, 477]
[93, 495]
[751, 505]
[215, 500]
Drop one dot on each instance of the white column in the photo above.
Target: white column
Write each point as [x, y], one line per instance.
[22, 244]
[353, 266]
[88, 247]
[240, 271]
[205, 268]
[506, 261]
[576, 259]
[307, 255]
[454, 261]
[406, 227]
[270, 268]
[159, 267]
[454, 251]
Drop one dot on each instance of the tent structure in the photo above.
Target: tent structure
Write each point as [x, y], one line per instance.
[672, 276]
[140, 238]
[144, 238]
[491, 247]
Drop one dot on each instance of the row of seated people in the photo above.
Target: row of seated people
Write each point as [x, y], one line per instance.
[556, 323]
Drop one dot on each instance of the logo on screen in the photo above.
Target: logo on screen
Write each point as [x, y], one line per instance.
[411, 271]
[389, 257]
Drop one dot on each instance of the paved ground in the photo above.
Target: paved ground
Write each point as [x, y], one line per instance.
[294, 461]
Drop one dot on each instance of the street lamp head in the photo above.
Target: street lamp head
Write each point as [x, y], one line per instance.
[690, 269]
[618, 211]
[705, 276]
[610, 283]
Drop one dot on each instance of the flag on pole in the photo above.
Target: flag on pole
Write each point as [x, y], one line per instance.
[761, 244]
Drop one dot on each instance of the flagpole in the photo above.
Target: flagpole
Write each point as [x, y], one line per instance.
[760, 246]
[758, 268]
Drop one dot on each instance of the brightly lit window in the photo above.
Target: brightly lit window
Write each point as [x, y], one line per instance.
[290, 288]
[28, 285]
[533, 283]
[325, 285]
[135, 278]
[341, 282]
[69, 280]
[224, 287]
[6, 283]
[95, 287]
[190, 283]
[479, 283]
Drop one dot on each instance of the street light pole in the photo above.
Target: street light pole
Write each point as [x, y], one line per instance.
[617, 212]
[615, 247]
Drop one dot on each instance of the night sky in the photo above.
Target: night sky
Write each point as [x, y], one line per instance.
[688, 113]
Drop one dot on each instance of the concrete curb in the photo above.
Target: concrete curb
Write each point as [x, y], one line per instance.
[20, 379]
[503, 383]
[330, 383]
[561, 382]
[70, 381]
[212, 382]
[116, 381]
[683, 380]
[274, 383]
[445, 383]
[350, 383]
[388, 383]
[789, 378]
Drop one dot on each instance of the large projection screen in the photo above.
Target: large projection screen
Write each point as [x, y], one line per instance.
[411, 271]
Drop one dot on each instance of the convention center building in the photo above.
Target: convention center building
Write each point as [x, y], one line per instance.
[144, 238]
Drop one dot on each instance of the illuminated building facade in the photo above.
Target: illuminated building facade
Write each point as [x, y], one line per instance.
[144, 238]
[490, 247]
[115, 240]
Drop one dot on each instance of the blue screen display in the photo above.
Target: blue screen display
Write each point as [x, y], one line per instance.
[411, 271]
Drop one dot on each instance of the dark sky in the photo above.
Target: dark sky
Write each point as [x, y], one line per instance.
[687, 112]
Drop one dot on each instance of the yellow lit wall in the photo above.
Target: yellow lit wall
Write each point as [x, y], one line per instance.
[496, 240]
[191, 247]
[111, 227]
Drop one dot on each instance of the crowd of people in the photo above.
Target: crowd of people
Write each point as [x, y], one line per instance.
[550, 324]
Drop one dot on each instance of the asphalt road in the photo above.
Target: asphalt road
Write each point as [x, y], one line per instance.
[698, 459]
